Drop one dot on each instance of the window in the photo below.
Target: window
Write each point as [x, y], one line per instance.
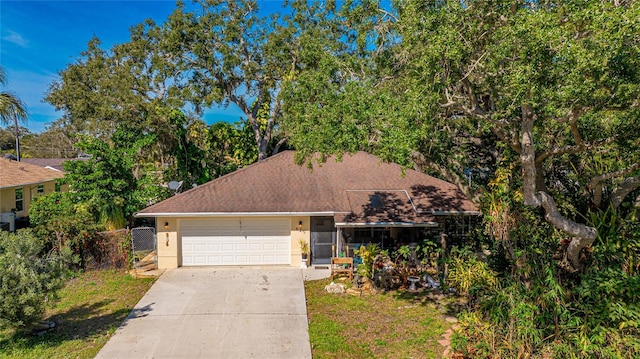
[19, 200]
[40, 189]
[461, 226]
[379, 235]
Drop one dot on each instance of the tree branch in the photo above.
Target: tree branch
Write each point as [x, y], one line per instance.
[596, 182]
[582, 234]
[555, 151]
[514, 144]
[282, 141]
[627, 186]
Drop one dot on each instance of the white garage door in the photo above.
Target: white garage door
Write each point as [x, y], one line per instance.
[235, 241]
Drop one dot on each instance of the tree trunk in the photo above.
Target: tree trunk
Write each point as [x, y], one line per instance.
[261, 139]
[528, 158]
[17, 139]
[582, 235]
[262, 150]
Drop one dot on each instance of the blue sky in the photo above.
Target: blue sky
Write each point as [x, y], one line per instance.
[39, 38]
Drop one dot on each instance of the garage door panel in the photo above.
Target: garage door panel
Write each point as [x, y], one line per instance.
[237, 241]
[255, 246]
[227, 246]
[214, 247]
[242, 247]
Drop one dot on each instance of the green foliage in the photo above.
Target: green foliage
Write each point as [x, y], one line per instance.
[106, 182]
[304, 246]
[470, 275]
[29, 279]
[607, 297]
[368, 255]
[61, 223]
[12, 110]
[203, 153]
[539, 310]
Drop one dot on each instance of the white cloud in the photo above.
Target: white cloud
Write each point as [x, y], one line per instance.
[16, 38]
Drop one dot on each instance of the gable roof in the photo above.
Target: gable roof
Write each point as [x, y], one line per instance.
[278, 186]
[52, 163]
[14, 174]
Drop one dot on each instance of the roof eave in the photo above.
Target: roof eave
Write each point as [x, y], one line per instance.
[28, 184]
[448, 213]
[387, 224]
[232, 214]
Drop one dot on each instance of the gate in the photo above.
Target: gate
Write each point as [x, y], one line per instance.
[143, 242]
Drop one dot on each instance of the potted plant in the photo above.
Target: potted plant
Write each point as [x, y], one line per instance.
[304, 251]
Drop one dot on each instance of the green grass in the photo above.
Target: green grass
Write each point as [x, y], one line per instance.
[391, 325]
[90, 309]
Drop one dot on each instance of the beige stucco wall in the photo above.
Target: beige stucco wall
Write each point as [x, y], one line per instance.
[299, 233]
[169, 245]
[7, 199]
[29, 193]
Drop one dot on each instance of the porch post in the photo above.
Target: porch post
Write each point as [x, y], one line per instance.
[338, 242]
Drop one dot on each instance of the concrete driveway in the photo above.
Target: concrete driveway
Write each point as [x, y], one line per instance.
[248, 312]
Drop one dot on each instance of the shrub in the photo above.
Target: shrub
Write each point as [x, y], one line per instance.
[29, 279]
[111, 249]
[368, 254]
[470, 275]
[540, 310]
[61, 223]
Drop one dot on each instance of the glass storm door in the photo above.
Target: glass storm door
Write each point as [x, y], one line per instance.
[323, 237]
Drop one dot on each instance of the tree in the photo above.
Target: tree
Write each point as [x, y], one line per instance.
[7, 139]
[224, 52]
[221, 46]
[107, 182]
[53, 142]
[208, 52]
[554, 83]
[12, 110]
[473, 85]
[29, 279]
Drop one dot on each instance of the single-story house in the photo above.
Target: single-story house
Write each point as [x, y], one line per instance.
[20, 183]
[53, 163]
[50, 163]
[257, 215]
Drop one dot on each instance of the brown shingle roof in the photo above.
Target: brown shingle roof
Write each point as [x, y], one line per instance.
[382, 206]
[278, 185]
[13, 173]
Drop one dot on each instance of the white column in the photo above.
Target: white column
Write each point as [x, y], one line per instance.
[338, 241]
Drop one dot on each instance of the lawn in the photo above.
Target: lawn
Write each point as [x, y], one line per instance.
[397, 324]
[90, 309]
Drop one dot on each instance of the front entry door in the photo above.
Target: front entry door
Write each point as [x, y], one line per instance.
[323, 237]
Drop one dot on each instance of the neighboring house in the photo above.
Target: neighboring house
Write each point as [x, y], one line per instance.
[20, 183]
[258, 214]
[51, 163]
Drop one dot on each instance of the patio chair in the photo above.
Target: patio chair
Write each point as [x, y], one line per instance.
[342, 265]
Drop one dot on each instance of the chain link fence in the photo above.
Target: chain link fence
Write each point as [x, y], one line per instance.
[143, 242]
